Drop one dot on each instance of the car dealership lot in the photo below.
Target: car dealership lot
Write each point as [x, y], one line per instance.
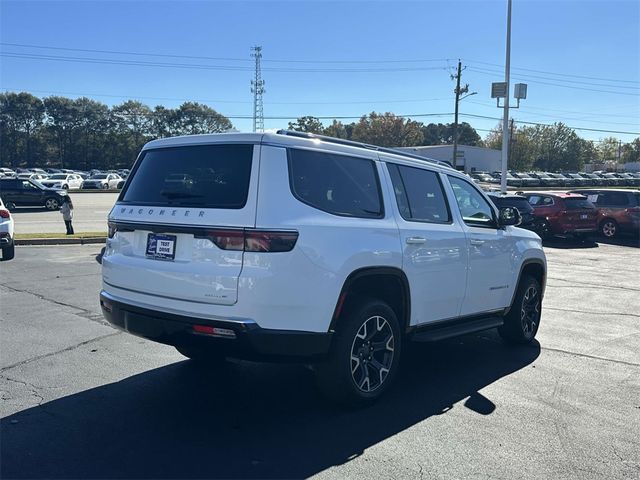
[80, 399]
[90, 215]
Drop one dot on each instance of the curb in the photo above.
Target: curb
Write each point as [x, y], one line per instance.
[60, 241]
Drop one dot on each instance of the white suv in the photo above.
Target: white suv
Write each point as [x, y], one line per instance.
[307, 247]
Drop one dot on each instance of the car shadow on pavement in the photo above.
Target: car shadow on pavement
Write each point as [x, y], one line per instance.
[566, 243]
[246, 420]
[622, 240]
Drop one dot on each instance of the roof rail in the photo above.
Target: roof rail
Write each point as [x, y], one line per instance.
[368, 146]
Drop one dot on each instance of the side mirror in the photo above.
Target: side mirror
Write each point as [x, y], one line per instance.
[509, 216]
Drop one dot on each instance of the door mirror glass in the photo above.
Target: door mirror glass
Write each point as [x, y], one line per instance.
[509, 216]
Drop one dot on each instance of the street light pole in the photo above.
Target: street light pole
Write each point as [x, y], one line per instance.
[505, 120]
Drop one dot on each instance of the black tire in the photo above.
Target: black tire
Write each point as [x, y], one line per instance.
[523, 320]
[65, 186]
[545, 231]
[105, 186]
[52, 203]
[364, 356]
[8, 252]
[120, 185]
[201, 355]
[11, 206]
[608, 228]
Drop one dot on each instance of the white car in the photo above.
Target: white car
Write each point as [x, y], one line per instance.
[314, 249]
[68, 181]
[38, 177]
[7, 172]
[6, 233]
[103, 181]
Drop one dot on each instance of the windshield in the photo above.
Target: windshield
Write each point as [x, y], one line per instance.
[101, 176]
[213, 176]
[58, 176]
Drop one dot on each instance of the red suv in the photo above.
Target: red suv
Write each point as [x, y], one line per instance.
[619, 210]
[564, 214]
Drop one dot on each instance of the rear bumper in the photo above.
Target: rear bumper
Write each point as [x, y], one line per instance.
[249, 341]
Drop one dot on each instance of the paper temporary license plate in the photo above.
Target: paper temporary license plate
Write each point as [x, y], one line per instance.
[161, 247]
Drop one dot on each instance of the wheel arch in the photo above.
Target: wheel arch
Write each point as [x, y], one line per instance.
[386, 283]
[534, 267]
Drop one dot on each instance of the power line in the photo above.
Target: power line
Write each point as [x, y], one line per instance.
[231, 59]
[558, 73]
[572, 82]
[140, 63]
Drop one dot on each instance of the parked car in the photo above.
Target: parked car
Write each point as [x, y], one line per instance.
[103, 181]
[529, 221]
[29, 193]
[579, 180]
[595, 180]
[51, 171]
[527, 180]
[67, 181]
[612, 180]
[483, 177]
[619, 210]
[6, 233]
[563, 214]
[33, 176]
[324, 251]
[629, 180]
[7, 172]
[547, 180]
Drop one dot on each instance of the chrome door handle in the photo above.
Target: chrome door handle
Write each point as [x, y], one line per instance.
[416, 240]
[476, 242]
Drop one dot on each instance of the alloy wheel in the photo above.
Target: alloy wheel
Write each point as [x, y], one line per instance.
[609, 229]
[372, 353]
[530, 311]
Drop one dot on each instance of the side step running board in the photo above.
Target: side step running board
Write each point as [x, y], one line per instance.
[435, 333]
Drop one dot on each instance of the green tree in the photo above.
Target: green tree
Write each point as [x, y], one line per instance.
[338, 130]
[609, 149]
[193, 118]
[442, 134]
[21, 119]
[631, 151]
[62, 120]
[388, 130]
[558, 148]
[307, 124]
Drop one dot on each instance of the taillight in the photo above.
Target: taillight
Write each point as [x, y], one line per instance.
[633, 210]
[254, 240]
[4, 213]
[111, 229]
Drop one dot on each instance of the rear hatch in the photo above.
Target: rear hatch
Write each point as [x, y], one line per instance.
[580, 213]
[177, 230]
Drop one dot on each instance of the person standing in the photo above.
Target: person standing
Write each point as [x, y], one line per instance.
[67, 214]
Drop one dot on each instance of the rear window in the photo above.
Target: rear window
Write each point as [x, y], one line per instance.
[337, 184]
[578, 204]
[522, 204]
[208, 176]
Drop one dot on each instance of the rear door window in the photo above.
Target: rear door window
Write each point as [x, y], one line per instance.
[206, 176]
[578, 204]
[614, 199]
[419, 194]
[337, 184]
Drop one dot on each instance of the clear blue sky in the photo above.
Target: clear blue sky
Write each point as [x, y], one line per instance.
[581, 59]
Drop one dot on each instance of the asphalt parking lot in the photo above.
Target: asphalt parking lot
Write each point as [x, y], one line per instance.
[81, 400]
[90, 215]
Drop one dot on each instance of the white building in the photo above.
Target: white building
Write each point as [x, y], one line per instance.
[470, 159]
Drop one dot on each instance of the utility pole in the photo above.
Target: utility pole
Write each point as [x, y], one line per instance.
[458, 91]
[512, 139]
[505, 120]
[257, 88]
